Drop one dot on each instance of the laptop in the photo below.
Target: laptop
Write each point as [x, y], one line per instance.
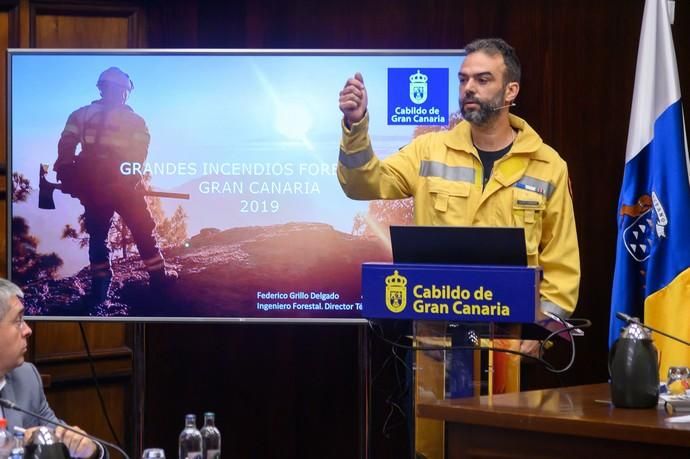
[459, 245]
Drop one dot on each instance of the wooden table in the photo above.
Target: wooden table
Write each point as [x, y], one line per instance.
[567, 422]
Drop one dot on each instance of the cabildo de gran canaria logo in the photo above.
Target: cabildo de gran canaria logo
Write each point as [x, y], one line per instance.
[396, 292]
[418, 96]
[418, 88]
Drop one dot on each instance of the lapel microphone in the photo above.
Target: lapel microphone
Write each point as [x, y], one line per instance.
[512, 104]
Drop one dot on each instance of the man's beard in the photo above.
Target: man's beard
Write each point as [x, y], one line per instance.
[486, 111]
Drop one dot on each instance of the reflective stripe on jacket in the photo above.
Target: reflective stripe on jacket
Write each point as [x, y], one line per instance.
[442, 171]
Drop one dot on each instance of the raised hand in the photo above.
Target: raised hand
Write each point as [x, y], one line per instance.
[353, 99]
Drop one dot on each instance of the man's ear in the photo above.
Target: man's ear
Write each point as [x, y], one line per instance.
[512, 90]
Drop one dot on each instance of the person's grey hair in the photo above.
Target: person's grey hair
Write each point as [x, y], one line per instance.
[494, 46]
[8, 289]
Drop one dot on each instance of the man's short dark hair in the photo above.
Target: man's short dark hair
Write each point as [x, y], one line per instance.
[494, 46]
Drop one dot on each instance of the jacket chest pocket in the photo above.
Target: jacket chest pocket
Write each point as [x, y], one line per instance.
[450, 201]
[528, 208]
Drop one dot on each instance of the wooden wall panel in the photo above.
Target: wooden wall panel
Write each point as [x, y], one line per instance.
[100, 336]
[80, 31]
[86, 24]
[59, 352]
[7, 17]
[62, 400]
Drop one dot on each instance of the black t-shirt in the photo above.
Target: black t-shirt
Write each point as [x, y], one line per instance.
[489, 158]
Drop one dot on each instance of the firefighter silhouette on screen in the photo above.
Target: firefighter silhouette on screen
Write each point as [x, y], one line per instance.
[110, 133]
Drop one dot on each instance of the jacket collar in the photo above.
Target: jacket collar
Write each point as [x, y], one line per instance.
[527, 141]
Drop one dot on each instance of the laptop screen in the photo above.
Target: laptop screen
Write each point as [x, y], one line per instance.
[459, 245]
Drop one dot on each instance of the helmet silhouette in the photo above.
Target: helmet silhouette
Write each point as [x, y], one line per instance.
[117, 77]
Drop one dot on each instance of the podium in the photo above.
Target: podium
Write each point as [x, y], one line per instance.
[455, 310]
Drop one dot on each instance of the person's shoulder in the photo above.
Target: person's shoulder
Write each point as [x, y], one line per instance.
[530, 141]
[82, 109]
[433, 137]
[548, 153]
[425, 141]
[549, 163]
[24, 372]
[457, 137]
[129, 112]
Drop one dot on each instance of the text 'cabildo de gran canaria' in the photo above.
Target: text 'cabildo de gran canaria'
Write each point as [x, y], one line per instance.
[461, 301]
[442, 299]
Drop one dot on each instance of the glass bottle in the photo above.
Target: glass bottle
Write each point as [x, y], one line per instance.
[211, 437]
[190, 439]
[6, 440]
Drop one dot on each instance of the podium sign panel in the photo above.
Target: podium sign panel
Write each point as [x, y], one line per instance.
[465, 293]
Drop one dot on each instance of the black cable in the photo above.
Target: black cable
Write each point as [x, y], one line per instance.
[459, 347]
[581, 323]
[584, 323]
[392, 357]
[398, 397]
[98, 387]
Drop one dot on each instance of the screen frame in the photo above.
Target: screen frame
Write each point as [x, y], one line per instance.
[12, 52]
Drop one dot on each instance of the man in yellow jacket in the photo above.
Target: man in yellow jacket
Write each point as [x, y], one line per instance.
[492, 169]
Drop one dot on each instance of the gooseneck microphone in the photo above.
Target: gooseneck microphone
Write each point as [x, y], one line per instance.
[512, 104]
[13, 406]
[629, 319]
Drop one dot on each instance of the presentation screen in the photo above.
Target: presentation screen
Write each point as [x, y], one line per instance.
[207, 188]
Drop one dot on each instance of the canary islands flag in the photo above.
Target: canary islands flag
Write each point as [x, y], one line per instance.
[652, 274]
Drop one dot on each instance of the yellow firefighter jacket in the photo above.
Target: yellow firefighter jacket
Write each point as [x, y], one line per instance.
[528, 188]
[106, 133]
